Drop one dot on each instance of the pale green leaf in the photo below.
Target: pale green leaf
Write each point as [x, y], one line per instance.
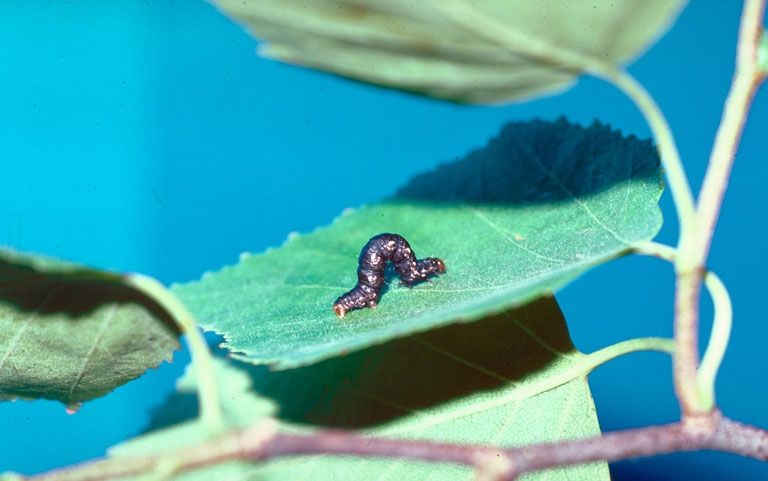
[241, 407]
[513, 221]
[71, 333]
[510, 380]
[479, 51]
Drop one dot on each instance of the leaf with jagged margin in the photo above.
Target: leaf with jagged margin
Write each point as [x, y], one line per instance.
[485, 51]
[241, 407]
[525, 215]
[72, 333]
[510, 380]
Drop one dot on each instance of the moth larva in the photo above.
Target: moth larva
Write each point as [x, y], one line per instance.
[370, 271]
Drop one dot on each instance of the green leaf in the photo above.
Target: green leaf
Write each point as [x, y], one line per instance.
[514, 221]
[71, 333]
[479, 52]
[241, 407]
[510, 380]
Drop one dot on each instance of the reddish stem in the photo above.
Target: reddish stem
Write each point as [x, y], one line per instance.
[260, 442]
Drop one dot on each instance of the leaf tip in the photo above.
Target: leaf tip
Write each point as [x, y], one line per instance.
[73, 408]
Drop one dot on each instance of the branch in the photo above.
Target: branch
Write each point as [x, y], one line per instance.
[746, 81]
[262, 442]
[694, 245]
[711, 433]
[721, 323]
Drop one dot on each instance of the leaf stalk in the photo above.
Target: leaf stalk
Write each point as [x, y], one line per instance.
[202, 359]
[721, 324]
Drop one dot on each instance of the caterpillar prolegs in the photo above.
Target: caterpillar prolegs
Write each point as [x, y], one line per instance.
[370, 271]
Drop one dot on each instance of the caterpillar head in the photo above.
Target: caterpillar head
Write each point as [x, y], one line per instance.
[434, 265]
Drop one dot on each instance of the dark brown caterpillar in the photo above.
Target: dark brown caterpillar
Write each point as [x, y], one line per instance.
[370, 271]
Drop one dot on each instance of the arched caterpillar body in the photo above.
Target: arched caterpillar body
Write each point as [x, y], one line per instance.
[370, 271]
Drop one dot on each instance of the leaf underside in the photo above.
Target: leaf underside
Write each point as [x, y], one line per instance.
[484, 51]
[72, 334]
[536, 207]
[497, 382]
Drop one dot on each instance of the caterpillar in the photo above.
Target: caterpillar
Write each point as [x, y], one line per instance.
[370, 271]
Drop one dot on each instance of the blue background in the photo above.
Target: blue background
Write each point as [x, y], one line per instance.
[147, 136]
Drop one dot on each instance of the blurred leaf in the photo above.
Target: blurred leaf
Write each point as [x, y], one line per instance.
[241, 407]
[71, 333]
[504, 381]
[479, 52]
[538, 206]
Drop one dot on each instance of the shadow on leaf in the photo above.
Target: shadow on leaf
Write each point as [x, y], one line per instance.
[72, 291]
[536, 162]
[407, 376]
[72, 334]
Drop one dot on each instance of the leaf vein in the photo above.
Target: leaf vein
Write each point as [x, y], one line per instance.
[537, 160]
[17, 337]
[461, 360]
[102, 330]
[512, 240]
